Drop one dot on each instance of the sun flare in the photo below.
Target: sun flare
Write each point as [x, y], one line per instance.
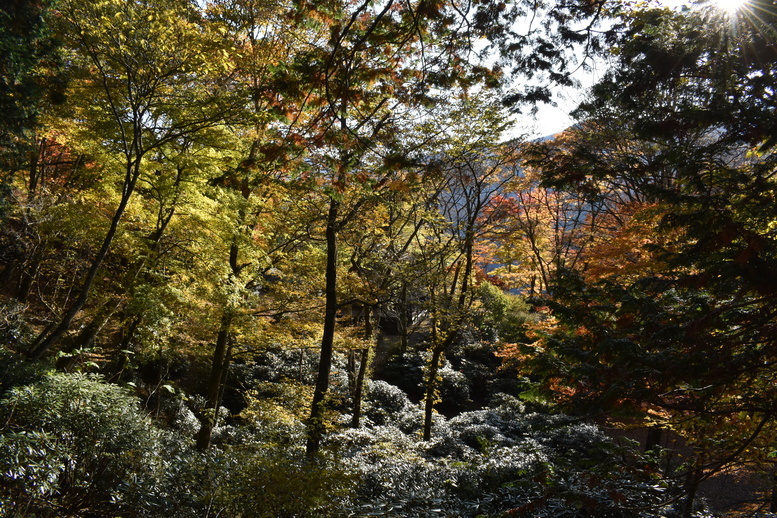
[729, 6]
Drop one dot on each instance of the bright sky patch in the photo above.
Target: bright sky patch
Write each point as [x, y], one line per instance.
[730, 5]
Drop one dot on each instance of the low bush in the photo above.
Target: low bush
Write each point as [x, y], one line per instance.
[73, 442]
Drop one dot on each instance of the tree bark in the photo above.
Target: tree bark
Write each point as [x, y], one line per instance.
[691, 486]
[403, 321]
[27, 279]
[451, 329]
[360, 378]
[773, 499]
[431, 388]
[222, 354]
[316, 421]
[359, 389]
[219, 366]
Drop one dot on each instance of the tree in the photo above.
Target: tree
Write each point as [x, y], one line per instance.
[30, 79]
[31, 83]
[150, 87]
[683, 342]
[474, 169]
[364, 67]
[256, 31]
[538, 232]
[383, 62]
[369, 75]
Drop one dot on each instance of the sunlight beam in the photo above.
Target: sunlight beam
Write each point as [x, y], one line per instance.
[727, 6]
[730, 6]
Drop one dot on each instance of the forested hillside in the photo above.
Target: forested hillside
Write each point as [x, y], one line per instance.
[288, 258]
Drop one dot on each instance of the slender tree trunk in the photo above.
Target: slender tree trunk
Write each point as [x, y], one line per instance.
[301, 366]
[654, 437]
[370, 318]
[35, 169]
[125, 339]
[352, 371]
[773, 499]
[27, 279]
[431, 389]
[403, 321]
[130, 332]
[222, 354]
[359, 390]
[87, 335]
[316, 421]
[691, 486]
[360, 378]
[465, 280]
[29, 272]
[217, 373]
[438, 350]
[47, 339]
[452, 329]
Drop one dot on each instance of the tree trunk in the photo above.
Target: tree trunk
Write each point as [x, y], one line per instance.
[653, 439]
[452, 329]
[773, 499]
[47, 339]
[359, 389]
[691, 486]
[431, 389]
[352, 374]
[222, 354]
[403, 321]
[316, 422]
[86, 337]
[27, 279]
[369, 334]
[469, 245]
[218, 369]
[29, 272]
[125, 339]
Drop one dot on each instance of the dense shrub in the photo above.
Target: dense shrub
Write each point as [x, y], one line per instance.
[73, 445]
[494, 461]
[71, 441]
[471, 375]
[280, 365]
[387, 405]
[276, 483]
[274, 416]
[384, 402]
[454, 391]
[15, 371]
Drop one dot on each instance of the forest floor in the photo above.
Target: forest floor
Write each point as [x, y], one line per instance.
[737, 493]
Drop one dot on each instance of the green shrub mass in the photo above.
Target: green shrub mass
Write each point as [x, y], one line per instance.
[75, 445]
